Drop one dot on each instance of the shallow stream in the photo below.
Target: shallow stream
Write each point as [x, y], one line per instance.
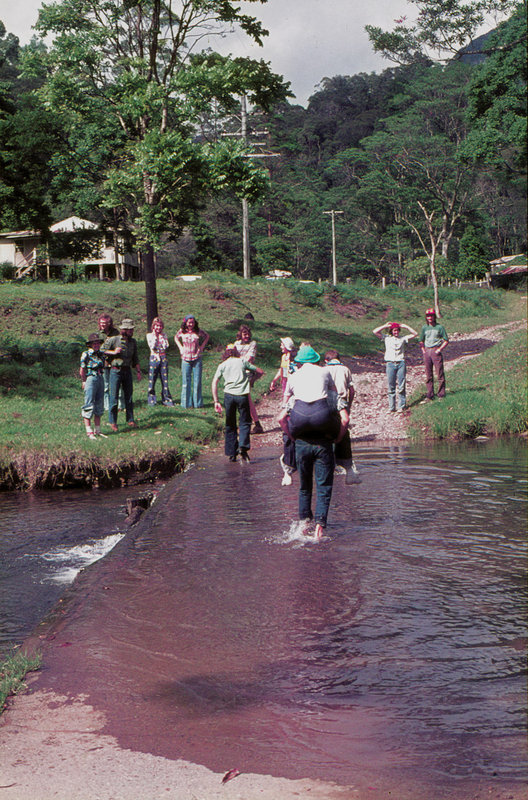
[217, 632]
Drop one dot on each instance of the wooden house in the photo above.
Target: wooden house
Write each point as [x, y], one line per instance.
[71, 243]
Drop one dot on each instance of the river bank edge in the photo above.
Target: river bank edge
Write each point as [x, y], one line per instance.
[28, 470]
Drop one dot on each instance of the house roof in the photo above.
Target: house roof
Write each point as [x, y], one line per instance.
[71, 224]
[18, 234]
[513, 270]
[68, 225]
[504, 259]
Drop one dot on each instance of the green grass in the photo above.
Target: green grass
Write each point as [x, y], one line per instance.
[12, 673]
[486, 396]
[44, 328]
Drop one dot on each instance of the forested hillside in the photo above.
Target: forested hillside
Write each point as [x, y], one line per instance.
[420, 152]
[425, 163]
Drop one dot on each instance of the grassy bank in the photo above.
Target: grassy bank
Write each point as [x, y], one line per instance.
[44, 327]
[486, 396]
[12, 673]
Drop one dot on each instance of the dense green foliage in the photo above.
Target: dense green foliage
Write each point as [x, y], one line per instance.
[121, 121]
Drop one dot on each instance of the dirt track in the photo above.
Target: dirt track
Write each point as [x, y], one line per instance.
[370, 419]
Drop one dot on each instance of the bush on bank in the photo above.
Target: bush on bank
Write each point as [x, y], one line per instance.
[44, 329]
[12, 673]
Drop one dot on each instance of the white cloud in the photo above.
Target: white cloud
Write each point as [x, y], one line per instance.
[308, 39]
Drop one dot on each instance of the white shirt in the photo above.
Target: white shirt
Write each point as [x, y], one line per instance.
[158, 344]
[342, 378]
[309, 383]
[395, 346]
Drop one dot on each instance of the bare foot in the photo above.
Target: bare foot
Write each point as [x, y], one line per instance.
[319, 531]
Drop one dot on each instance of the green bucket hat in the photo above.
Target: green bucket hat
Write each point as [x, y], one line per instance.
[307, 355]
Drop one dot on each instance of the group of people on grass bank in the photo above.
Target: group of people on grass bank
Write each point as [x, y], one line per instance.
[107, 365]
[316, 398]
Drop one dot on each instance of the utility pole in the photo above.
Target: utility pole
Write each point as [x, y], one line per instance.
[334, 261]
[245, 210]
[261, 152]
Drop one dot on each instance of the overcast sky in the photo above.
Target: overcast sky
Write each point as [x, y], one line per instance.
[308, 39]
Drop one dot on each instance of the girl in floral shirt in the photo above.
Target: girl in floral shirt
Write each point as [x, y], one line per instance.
[158, 364]
[191, 342]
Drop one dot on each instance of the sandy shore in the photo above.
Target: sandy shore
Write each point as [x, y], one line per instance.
[54, 745]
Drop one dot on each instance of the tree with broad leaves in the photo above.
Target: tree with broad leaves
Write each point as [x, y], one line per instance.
[414, 163]
[440, 30]
[140, 64]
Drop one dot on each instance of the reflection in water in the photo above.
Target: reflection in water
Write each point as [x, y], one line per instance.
[395, 647]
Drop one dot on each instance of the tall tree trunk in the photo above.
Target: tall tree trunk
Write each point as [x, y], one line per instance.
[149, 275]
[434, 278]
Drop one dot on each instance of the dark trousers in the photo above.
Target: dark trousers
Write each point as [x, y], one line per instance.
[435, 360]
[315, 460]
[159, 369]
[343, 451]
[120, 379]
[233, 404]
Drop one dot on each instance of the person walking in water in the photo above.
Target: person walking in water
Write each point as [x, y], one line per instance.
[311, 420]
[395, 360]
[433, 340]
[158, 364]
[342, 378]
[191, 342]
[247, 350]
[235, 372]
[288, 351]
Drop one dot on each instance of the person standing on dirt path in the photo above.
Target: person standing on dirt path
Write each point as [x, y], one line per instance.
[395, 360]
[433, 340]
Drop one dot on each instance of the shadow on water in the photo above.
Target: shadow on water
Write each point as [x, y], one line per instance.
[217, 632]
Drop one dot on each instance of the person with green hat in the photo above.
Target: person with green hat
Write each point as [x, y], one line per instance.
[121, 352]
[310, 418]
[91, 375]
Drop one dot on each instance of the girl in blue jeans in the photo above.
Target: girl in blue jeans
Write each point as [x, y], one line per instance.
[395, 360]
[191, 342]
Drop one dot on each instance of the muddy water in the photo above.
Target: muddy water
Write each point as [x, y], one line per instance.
[392, 650]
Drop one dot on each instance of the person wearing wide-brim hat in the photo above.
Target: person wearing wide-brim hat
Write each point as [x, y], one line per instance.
[121, 352]
[433, 340]
[309, 418]
[288, 351]
[91, 374]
